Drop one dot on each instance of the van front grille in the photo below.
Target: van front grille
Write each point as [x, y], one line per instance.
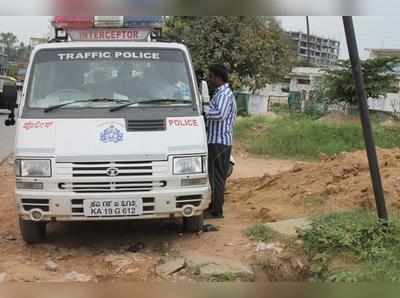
[98, 169]
[107, 187]
[145, 125]
[117, 169]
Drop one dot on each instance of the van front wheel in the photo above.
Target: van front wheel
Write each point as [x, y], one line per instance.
[193, 224]
[32, 232]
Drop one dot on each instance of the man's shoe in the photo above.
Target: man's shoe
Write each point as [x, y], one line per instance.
[208, 214]
[212, 214]
[217, 215]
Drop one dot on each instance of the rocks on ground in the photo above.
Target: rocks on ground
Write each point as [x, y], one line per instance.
[10, 237]
[51, 266]
[208, 267]
[283, 264]
[297, 168]
[271, 247]
[169, 267]
[290, 227]
[77, 277]
[234, 271]
[119, 262]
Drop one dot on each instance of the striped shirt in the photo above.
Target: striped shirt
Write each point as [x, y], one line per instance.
[221, 116]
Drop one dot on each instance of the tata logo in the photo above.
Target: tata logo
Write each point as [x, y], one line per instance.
[112, 172]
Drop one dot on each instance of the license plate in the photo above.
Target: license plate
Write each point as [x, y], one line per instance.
[110, 208]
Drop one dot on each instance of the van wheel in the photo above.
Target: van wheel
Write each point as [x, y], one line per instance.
[32, 232]
[193, 224]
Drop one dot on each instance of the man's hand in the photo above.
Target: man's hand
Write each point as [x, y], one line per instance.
[206, 109]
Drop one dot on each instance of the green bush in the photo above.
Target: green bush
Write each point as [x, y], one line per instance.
[300, 137]
[359, 236]
[259, 232]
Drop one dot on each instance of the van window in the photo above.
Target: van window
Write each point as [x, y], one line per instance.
[60, 76]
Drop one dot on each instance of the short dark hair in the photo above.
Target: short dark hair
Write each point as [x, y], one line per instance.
[220, 71]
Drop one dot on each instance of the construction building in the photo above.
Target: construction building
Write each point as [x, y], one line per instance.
[323, 51]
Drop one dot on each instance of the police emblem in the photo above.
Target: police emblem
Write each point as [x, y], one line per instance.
[111, 135]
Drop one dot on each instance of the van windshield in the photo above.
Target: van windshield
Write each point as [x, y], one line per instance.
[132, 75]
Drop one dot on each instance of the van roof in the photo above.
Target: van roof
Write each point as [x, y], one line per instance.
[110, 44]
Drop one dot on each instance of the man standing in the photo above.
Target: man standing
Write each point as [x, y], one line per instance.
[221, 118]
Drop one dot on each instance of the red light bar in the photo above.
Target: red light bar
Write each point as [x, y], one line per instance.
[73, 22]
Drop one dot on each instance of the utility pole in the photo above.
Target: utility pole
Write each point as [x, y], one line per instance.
[364, 115]
[308, 40]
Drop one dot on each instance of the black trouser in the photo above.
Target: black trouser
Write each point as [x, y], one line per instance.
[218, 163]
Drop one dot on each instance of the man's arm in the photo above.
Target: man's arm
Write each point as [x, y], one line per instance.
[219, 108]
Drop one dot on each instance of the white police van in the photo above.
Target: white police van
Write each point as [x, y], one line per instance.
[109, 127]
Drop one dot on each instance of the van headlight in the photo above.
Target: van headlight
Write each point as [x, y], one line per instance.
[190, 165]
[33, 168]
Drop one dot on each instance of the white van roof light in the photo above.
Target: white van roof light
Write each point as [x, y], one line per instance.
[107, 28]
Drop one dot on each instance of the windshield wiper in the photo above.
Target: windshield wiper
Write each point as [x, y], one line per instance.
[55, 107]
[151, 101]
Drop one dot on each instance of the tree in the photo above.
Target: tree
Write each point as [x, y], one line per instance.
[337, 84]
[9, 39]
[23, 52]
[255, 49]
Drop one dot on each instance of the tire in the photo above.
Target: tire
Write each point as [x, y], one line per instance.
[32, 232]
[230, 170]
[193, 224]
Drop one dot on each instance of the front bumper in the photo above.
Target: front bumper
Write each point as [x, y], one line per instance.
[59, 206]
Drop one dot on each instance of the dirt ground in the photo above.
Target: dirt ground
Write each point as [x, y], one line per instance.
[91, 250]
[331, 185]
[260, 191]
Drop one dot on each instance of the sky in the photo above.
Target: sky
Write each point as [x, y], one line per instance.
[372, 31]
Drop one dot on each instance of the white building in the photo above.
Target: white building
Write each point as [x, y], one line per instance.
[301, 79]
[305, 79]
[391, 102]
[382, 52]
[323, 51]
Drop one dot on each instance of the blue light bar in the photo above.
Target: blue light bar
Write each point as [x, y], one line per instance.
[143, 22]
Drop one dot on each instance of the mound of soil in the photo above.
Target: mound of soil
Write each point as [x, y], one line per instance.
[331, 185]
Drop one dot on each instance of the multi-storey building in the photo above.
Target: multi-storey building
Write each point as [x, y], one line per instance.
[323, 51]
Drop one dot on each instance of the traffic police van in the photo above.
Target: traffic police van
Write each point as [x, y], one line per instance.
[110, 127]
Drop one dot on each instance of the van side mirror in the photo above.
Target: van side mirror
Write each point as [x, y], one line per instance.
[8, 100]
[9, 97]
[205, 96]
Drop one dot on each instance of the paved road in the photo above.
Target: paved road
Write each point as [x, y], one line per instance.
[7, 134]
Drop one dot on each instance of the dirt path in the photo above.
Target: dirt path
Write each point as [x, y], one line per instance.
[100, 251]
[247, 167]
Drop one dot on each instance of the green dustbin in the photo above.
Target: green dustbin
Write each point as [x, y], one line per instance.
[242, 102]
[294, 100]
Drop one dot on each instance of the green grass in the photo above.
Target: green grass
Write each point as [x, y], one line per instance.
[225, 277]
[368, 249]
[259, 232]
[300, 137]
